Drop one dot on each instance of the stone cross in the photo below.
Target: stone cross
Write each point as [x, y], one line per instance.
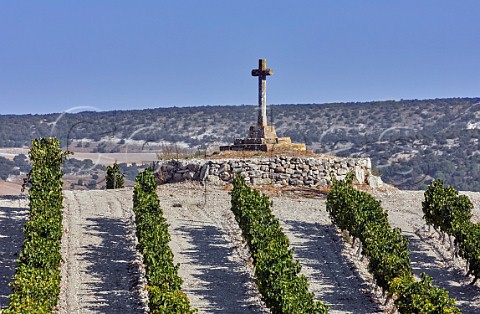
[262, 73]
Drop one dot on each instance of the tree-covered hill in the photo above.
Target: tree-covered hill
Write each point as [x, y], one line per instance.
[410, 141]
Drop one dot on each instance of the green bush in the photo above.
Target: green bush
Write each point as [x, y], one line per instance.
[279, 282]
[37, 278]
[164, 284]
[115, 179]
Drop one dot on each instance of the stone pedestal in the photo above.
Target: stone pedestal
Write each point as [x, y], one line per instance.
[263, 138]
[266, 132]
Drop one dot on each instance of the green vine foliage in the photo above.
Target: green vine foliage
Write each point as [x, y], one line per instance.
[387, 250]
[279, 282]
[421, 296]
[451, 213]
[164, 284]
[37, 278]
[115, 179]
[443, 207]
[363, 217]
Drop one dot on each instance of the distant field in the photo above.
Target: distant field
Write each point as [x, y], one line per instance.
[97, 158]
[9, 188]
[110, 158]
[10, 152]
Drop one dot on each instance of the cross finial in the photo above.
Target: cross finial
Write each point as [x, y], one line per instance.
[262, 72]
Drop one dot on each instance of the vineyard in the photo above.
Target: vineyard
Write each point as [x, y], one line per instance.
[184, 248]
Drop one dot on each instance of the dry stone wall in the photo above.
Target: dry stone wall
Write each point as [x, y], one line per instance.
[264, 171]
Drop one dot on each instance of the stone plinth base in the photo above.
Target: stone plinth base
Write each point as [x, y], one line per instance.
[267, 131]
[264, 144]
[263, 138]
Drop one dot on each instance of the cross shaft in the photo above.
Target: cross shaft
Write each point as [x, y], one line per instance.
[262, 72]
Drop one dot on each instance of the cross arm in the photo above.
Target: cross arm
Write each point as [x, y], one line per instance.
[265, 72]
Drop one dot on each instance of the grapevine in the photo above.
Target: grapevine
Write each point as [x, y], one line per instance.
[283, 290]
[451, 213]
[165, 295]
[37, 278]
[387, 250]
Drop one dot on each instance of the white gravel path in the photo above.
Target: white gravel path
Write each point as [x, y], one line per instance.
[320, 250]
[101, 268]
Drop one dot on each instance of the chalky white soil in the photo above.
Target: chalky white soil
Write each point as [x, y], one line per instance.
[102, 272]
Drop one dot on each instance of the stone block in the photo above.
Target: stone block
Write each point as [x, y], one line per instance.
[359, 175]
[375, 182]
[204, 172]
[225, 176]
[261, 181]
[177, 177]
[340, 178]
[295, 182]
[289, 171]
[193, 167]
[224, 167]
[213, 179]
[167, 168]
[237, 170]
[190, 175]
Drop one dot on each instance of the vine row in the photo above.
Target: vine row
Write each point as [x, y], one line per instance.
[279, 282]
[164, 284]
[450, 213]
[37, 278]
[387, 250]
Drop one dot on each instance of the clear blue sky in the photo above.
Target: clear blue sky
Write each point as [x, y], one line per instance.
[55, 55]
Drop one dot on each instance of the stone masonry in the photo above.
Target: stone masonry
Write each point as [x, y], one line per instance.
[278, 170]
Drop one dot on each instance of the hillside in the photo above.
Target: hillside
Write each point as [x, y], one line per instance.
[409, 141]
